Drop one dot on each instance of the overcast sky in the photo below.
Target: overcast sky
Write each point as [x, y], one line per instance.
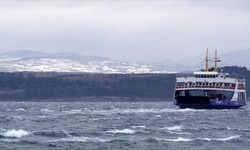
[131, 30]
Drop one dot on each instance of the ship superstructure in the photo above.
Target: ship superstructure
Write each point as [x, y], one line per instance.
[209, 89]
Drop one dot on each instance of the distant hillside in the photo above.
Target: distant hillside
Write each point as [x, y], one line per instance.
[239, 58]
[26, 60]
[21, 54]
[50, 86]
[33, 61]
[163, 65]
[34, 86]
[236, 58]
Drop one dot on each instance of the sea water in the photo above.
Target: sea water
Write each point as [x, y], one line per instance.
[109, 125]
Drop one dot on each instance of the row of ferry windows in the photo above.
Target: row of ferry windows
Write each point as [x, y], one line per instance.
[205, 84]
[206, 76]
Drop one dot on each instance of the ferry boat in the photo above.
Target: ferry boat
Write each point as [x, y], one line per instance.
[209, 89]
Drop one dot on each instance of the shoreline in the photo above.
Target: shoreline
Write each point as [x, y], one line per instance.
[96, 99]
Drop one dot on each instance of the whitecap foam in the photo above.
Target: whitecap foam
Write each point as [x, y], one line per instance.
[94, 119]
[124, 131]
[179, 139]
[190, 110]
[238, 129]
[46, 110]
[179, 133]
[220, 139]
[228, 138]
[173, 128]
[15, 133]
[158, 116]
[140, 111]
[80, 139]
[138, 126]
[73, 111]
[128, 111]
[205, 139]
[2, 129]
[10, 140]
[18, 117]
[20, 109]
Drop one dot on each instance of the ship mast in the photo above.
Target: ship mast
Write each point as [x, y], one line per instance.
[206, 61]
[216, 60]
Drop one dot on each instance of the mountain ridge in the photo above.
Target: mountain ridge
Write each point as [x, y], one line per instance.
[67, 62]
[29, 60]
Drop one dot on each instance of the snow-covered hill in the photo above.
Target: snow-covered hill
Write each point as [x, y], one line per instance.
[26, 60]
[68, 62]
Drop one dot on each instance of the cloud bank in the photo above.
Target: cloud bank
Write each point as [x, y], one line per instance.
[135, 31]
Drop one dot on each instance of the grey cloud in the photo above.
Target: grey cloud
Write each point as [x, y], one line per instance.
[128, 30]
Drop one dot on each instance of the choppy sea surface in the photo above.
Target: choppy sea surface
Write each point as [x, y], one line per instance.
[107, 125]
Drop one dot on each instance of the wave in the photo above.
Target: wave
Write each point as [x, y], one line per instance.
[2, 129]
[124, 131]
[219, 128]
[142, 110]
[158, 116]
[18, 117]
[9, 140]
[95, 119]
[181, 139]
[122, 111]
[52, 133]
[73, 111]
[174, 128]
[15, 133]
[20, 109]
[238, 129]
[80, 139]
[46, 110]
[221, 139]
[188, 110]
[138, 126]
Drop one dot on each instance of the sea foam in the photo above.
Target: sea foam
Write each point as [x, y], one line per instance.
[73, 111]
[46, 110]
[140, 126]
[221, 139]
[80, 139]
[174, 128]
[127, 111]
[20, 109]
[181, 139]
[15, 133]
[124, 131]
